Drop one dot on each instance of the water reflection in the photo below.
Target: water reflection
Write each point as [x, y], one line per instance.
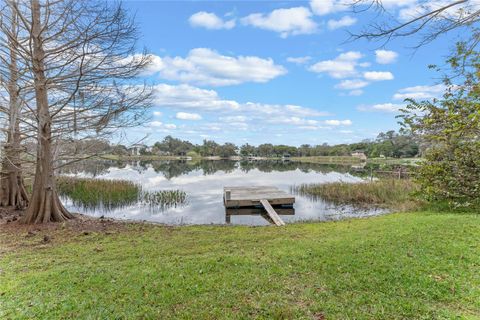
[203, 181]
[254, 211]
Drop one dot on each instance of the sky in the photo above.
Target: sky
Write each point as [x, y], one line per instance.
[281, 72]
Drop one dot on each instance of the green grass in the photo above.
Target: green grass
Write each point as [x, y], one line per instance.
[381, 193]
[396, 161]
[400, 266]
[329, 159]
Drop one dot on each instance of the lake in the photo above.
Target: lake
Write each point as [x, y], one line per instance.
[203, 181]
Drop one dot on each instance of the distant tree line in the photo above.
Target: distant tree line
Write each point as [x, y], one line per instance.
[388, 144]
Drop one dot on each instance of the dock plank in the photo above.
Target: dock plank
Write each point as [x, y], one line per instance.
[251, 196]
[271, 213]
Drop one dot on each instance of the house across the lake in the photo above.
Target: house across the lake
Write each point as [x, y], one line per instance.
[136, 149]
[360, 155]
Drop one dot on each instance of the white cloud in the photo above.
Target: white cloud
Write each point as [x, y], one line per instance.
[299, 60]
[186, 96]
[309, 127]
[385, 56]
[410, 9]
[351, 84]
[382, 107]
[378, 75]
[420, 92]
[342, 66]
[234, 119]
[210, 21]
[231, 115]
[204, 66]
[170, 126]
[345, 21]
[356, 92]
[324, 7]
[392, 4]
[294, 121]
[338, 122]
[193, 98]
[156, 124]
[287, 22]
[188, 116]
[157, 113]
[161, 125]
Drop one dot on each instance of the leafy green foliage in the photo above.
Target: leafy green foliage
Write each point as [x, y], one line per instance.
[450, 127]
[388, 144]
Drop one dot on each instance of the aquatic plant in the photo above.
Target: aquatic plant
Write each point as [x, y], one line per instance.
[380, 193]
[95, 193]
[107, 194]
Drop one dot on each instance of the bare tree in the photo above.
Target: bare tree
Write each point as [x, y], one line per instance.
[12, 189]
[429, 19]
[82, 61]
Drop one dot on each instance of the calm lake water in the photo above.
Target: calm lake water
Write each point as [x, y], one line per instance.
[204, 181]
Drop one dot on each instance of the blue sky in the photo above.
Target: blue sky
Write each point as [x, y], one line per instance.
[277, 71]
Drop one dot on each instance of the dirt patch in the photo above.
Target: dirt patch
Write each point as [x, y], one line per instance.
[14, 234]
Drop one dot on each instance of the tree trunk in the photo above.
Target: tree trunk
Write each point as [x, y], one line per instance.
[12, 189]
[45, 205]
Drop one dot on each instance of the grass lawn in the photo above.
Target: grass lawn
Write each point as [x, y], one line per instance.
[401, 266]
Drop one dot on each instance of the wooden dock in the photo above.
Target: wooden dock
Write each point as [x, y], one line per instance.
[266, 196]
[257, 211]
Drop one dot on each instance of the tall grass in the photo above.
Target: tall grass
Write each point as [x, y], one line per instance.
[106, 194]
[388, 193]
[93, 193]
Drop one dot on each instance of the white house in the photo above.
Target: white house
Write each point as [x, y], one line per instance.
[359, 154]
[137, 148]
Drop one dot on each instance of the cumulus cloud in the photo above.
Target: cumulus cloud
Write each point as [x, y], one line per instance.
[287, 22]
[343, 66]
[189, 97]
[356, 92]
[156, 124]
[294, 121]
[351, 84]
[234, 118]
[193, 98]
[204, 66]
[381, 107]
[161, 125]
[406, 10]
[338, 122]
[299, 60]
[157, 113]
[188, 116]
[210, 21]
[345, 21]
[385, 56]
[324, 7]
[378, 75]
[420, 92]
